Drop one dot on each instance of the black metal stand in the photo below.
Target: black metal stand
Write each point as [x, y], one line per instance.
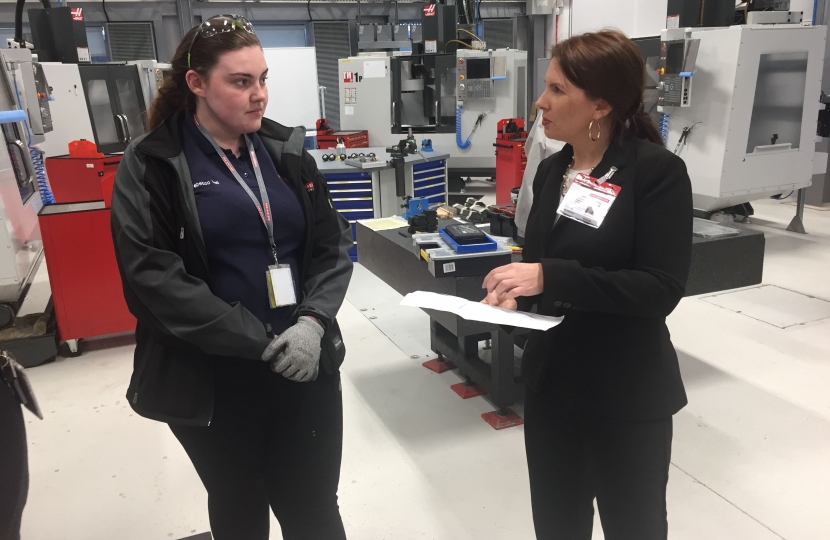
[36, 350]
[497, 378]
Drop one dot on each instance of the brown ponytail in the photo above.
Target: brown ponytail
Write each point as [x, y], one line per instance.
[607, 65]
[174, 94]
[642, 125]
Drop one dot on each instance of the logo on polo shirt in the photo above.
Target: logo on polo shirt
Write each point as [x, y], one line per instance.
[205, 184]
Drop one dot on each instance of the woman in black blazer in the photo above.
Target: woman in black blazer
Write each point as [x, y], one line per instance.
[604, 384]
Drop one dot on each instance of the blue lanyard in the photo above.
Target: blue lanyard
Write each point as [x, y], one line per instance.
[265, 215]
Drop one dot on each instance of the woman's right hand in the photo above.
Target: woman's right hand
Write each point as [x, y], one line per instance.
[492, 299]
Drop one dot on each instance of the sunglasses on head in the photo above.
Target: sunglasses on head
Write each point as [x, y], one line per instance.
[220, 24]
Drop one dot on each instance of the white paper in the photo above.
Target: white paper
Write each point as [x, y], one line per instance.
[348, 110]
[374, 70]
[384, 224]
[476, 311]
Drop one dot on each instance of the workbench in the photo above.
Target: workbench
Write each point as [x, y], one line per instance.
[370, 192]
[717, 264]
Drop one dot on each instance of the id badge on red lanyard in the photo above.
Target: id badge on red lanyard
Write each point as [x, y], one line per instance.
[589, 199]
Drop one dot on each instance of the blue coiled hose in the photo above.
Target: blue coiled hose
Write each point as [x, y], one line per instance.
[465, 144]
[40, 173]
[37, 160]
[664, 127]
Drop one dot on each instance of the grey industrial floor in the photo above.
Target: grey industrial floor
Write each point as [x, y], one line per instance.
[751, 456]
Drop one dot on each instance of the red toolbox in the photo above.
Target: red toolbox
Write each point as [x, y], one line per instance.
[510, 168]
[78, 179]
[511, 159]
[352, 139]
[86, 286]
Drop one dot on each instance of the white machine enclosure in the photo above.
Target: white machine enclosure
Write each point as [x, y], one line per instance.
[69, 111]
[754, 108]
[151, 73]
[21, 247]
[17, 66]
[368, 105]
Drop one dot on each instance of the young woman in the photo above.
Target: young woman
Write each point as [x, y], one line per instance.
[218, 216]
[604, 384]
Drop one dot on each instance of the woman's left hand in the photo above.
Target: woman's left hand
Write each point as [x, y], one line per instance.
[506, 303]
[516, 279]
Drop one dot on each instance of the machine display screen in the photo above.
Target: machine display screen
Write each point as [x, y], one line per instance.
[478, 68]
[674, 58]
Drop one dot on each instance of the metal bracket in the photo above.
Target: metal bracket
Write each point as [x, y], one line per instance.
[797, 224]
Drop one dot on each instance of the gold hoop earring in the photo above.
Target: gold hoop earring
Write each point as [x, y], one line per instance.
[591, 129]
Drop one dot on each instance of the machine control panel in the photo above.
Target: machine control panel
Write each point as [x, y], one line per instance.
[677, 65]
[158, 75]
[475, 78]
[43, 94]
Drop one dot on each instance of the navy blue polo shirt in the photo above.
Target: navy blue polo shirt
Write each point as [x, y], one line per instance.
[236, 241]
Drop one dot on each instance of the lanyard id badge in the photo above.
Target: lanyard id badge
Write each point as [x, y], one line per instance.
[279, 277]
[589, 199]
[281, 290]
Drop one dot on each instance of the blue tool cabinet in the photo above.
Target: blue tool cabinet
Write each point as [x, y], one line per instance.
[356, 195]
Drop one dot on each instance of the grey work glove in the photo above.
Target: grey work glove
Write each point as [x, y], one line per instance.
[295, 354]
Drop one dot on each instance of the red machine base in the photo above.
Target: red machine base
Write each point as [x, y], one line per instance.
[498, 421]
[467, 391]
[437, 366]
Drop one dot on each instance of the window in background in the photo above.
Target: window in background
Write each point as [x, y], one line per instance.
[281, 35]
[779, 101]
[97, 41]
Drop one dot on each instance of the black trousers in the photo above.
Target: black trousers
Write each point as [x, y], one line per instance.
[14, 465]
[574, 456]
[272, 442]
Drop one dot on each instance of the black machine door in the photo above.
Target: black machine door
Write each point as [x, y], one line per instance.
[445, 92]
[395, 113]
[21, 167]
[107, 126]
[436, 98]
[126, 85]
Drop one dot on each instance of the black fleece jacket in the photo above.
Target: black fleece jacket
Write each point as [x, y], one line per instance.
[183, 328]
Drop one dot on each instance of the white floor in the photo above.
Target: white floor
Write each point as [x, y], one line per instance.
[751, 456]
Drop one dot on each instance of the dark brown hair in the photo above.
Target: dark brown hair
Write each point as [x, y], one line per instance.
[607, 65]
[174, 94]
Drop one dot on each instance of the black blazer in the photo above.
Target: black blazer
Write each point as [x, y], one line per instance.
[615, 285]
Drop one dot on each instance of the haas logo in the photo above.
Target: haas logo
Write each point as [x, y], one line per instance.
[429, 10]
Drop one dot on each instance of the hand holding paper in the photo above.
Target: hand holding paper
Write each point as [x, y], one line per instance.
[515, 279]
[475, 311]
[492, 299]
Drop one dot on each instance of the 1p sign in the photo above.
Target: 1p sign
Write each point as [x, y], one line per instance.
[429, 10]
